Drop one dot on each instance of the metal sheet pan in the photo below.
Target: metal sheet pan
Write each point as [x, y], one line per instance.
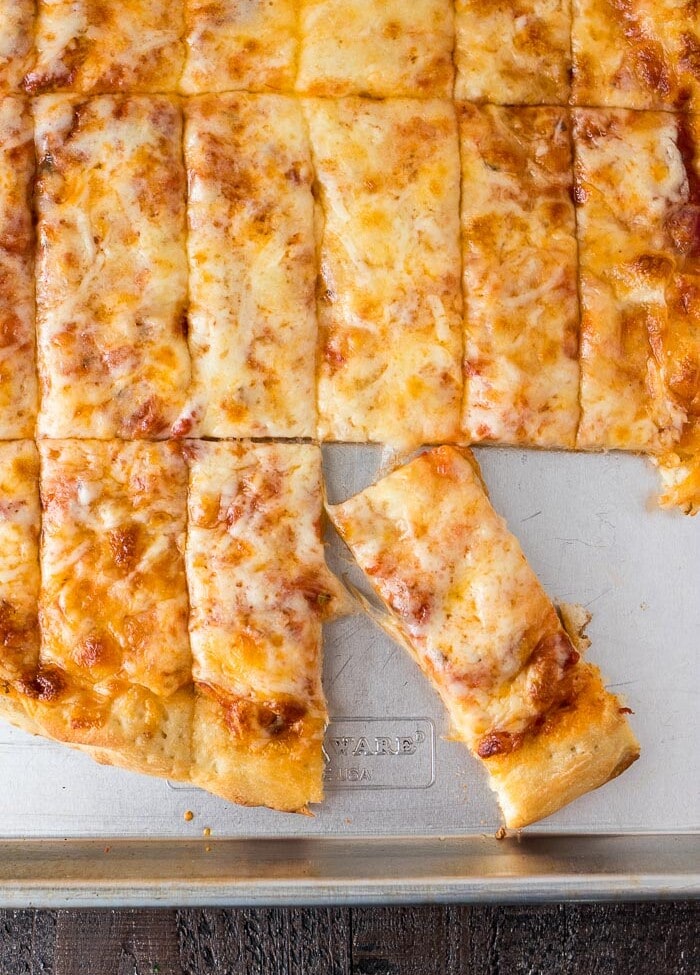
[408, 815]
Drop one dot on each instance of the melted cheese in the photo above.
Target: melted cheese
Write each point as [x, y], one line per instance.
[234, 45]
[459, 591]
[16, 34]
[114, 598]
[636, 53]
[18, 387]
[259, 592]
[513, 53]
[376, 47]
[252, 263]
[19, 559]
[259, 586]
[519, 261]
[638, 189]
[98, 46]
[389, 294]
[112, 266]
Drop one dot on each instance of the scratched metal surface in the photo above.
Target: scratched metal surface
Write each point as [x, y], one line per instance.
[590, 529]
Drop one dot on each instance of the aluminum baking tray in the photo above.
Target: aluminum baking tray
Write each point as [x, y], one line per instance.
[408, 815]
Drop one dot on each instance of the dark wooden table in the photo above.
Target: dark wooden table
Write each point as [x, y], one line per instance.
[600, 939]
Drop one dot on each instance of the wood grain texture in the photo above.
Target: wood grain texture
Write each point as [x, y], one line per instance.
[558, 939]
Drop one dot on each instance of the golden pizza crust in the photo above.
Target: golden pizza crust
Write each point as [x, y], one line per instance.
[284, 772]
[579, 748]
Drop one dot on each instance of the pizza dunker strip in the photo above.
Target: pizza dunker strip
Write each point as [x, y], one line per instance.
[515, 53]
[88, 46]
[642, 54]
[637, 187]
[111, 266]
[18, 385]
[16, 38]
[379, 48]
[234, 46]
[389, 302]
[77, 663]
[521, 313]
[259, 593]
[462, 599]
[252, 259]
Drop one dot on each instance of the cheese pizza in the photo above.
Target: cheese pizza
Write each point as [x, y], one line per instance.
[259, 592]
[638, 193]
[112, 266]
[515, 53]
[114, 597]
[20, 522]
[188, 648]
[389, 302]
[380, 48]
[18, 386]
[233, 46]
[111, 671]
[16, 36]
[96, 46]
[636, 53]
[519, 272]
[252, 259]
[462, 599]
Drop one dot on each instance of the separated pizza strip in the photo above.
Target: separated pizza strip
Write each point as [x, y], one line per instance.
[16, 36]
[111, 266]
[234, 46]
[521, 313]
[380, 48]
[516, 53]
[463, 600]
[18, 386]
[259, 593]
[638, 193]
[641, 54]
[389, 302]
[90, 46]
[252, 258]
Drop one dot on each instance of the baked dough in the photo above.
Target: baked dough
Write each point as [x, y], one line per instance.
[252, 261]
[642, 54]
[233, 46]
[521, 313]
[380, 48]
[462, 599]
[638, 194]
[389, 297]
[18, 385]
[111, 266]
[515, 53]
[259, 593]
[90, 46]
